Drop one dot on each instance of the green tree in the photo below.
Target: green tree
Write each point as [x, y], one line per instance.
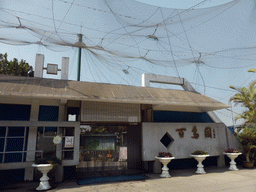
[14, 67]
[247, 135]
[247, 138]
[246, 97]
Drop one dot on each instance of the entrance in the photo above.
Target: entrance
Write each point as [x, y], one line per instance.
[103, 150]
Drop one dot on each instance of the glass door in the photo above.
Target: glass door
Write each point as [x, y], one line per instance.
[103, 149]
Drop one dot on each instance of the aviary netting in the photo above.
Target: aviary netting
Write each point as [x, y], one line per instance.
[126, 37]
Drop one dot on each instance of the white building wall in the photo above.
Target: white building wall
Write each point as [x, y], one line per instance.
[183, 147]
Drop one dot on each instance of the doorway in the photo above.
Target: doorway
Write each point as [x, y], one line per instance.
[107, 150]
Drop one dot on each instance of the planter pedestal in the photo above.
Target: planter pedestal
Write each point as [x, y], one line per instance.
[44, 180]
[200, 166]
[165, 169]
[232, 157]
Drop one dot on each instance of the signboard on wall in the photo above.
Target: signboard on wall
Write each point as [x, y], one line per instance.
[52, 69]
[100, 143]
[69, 142]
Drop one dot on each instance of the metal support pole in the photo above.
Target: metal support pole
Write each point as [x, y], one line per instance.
[80, 36]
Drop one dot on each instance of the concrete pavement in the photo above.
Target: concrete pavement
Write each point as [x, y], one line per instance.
[216, 179]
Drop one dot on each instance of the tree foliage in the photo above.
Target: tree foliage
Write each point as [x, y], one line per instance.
[247, 97]
[247, 138]
[14, 67]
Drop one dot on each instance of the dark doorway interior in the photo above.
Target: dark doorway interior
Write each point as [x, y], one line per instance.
[108, 150]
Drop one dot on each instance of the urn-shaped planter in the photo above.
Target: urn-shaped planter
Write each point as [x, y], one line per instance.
[200, 166]
[44, 180]
[165, 169]
[232, 157]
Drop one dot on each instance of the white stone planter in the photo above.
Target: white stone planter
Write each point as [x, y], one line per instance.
[200, 166]
[44, 180]
[165, 169]
[232, 157]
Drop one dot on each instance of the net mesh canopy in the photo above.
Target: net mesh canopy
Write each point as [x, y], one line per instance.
[116, 34]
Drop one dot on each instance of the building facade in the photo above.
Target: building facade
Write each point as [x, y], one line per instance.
[105, 129]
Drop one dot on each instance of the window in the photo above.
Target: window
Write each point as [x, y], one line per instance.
[45, 143]
[67, 143]
[72, 113]
[13, 144]
[48, 113]
[11, 112]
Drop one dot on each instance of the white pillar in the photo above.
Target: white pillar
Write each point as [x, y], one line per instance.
[145, 81]
[32, 135]
[147, 78]
[223, 143]
[39, 65]
[64, 68]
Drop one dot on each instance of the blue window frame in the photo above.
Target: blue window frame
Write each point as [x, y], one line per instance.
[181, 117]
[12, 112]
[13, 144]
[48, 113]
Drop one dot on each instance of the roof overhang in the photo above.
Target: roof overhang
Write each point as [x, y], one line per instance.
[160, 99]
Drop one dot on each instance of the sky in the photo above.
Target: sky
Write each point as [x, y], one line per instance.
[183, 4]
[215, 91]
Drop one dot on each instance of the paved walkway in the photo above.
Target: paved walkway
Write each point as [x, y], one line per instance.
[216, 179]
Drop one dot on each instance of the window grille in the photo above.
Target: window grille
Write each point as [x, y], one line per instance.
[110, 112]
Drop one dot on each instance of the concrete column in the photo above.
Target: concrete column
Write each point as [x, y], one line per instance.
[221, 161]
[144, 80]
[62, 110]
[59, 174]
[39, 65]
[32, 135]
[65, 68]
[34, 110]
[223, 143]
[157, 167]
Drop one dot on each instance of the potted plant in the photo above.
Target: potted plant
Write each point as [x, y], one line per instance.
[232, 154]
[44, 165]
[165, 158]
[200, 156]
[247, 139]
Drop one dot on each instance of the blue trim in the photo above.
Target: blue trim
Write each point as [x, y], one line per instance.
[26, 142]
[2, 141]
[14, 144]
[10, 112]
[181, 117]
[2, 131]
[13, 157]
[48, 113]
[11, 176]
[231, 128]
[16, 132]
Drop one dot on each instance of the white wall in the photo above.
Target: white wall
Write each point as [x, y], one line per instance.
[183, 147]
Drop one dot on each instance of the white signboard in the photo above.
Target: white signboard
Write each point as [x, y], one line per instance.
[52, 69]
[69, 142]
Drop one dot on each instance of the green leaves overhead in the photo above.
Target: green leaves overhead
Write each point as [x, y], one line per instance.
[14, 67]
[247, 97]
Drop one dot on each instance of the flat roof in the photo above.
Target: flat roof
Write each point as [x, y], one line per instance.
[160, 99]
